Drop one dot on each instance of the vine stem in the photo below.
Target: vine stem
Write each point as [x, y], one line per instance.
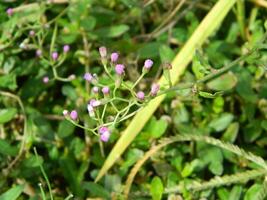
[25, 130]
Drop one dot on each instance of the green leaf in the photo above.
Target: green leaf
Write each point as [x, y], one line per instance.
[223, 194]
[13, 193]
[224, 82]
[149, 50]
[216, 167]
[65, 129]
[189, 168]
[252, 131]
[7, 149]
[213, 157]
[166, 53]
[244, 88]
[253, 192]
[112, 31]
[231, 132]
[88, 23]
[156, 128]
[209, 95]
[8, 81]
[221, 123]
[236, 193]
[69, 91]
[96, 190]
[156, 188]
[7, 114]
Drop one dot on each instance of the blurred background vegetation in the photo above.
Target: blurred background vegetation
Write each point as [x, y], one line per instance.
[31, 111]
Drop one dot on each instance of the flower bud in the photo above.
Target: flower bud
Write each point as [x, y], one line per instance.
[74, 115]
[66, 48]
[103, 52]
[65, 112]
[88, 77]
[119, 68]
[167, 65]
[148, 64]
[45, 79]
[90, 110]
[154, 89]
[95, 90]
[54, 56]
[114, 57]
[105, 90]
[140, 95]
[104, 134]
[32, 33]
[38, 52]
[10, 11]
[71, 77]
[95, 103]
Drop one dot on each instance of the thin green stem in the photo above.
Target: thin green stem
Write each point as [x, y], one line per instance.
[83, 127]
[138, 80]
[69, 197]
[43, 172]
[53, 39]
[42, 191]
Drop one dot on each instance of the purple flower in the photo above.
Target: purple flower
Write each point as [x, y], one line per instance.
[148, 64]
[9, 11]
[103, 52]
[119, 68]
[154, 89]
[66, 48]
[54, 56]
[38, 52]
[65, 112]
[105, 90]
[95, 103]
[95, 89]
[114, 57]
[87, 76]
[45, 79]
[90, 110]
[74, 115]
[140, 95]
[31, 33]
[104, 134]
